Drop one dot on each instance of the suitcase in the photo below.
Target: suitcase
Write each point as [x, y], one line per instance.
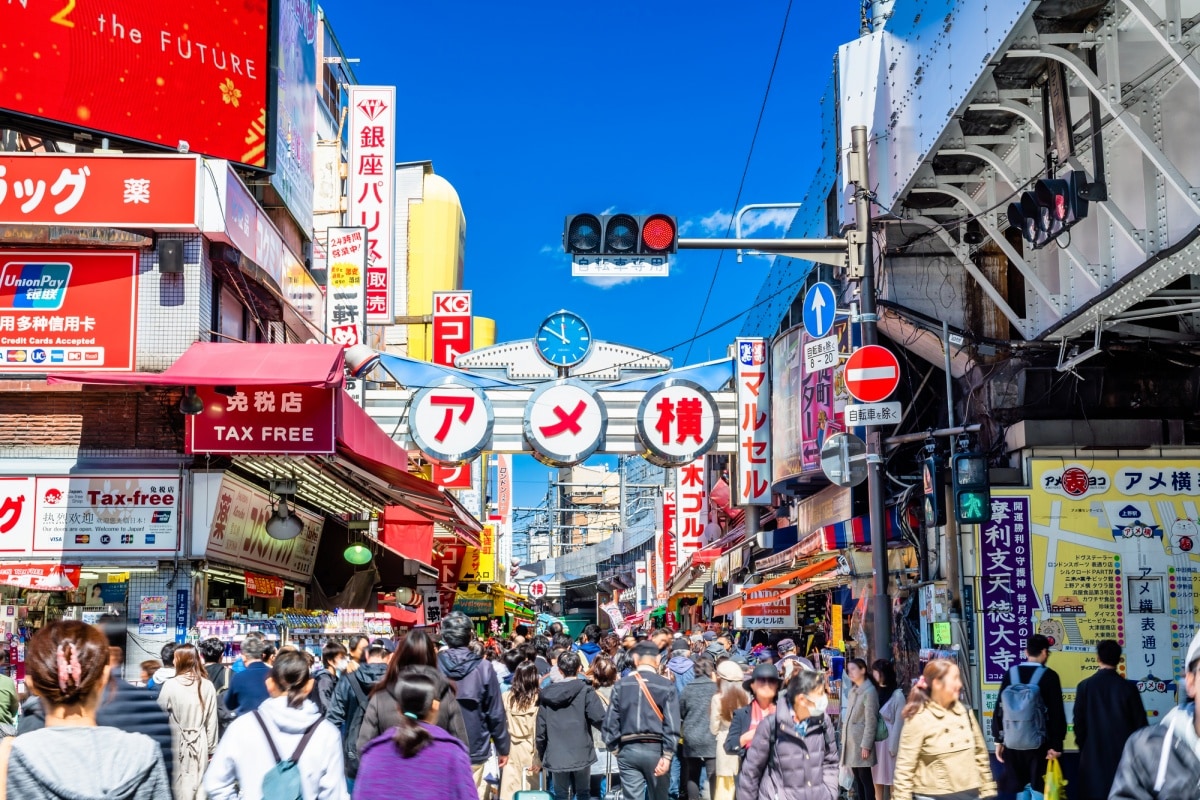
[535, 794]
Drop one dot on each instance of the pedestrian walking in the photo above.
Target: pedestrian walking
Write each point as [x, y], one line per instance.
[521, 710]
[417, 650]
[859, 724]
[248, 688]
[190, 701]
[699, 749]
[67, 667]
[790, 660]
[212, 651]
[642, 724]
[334, 660]
[1162, 762]
[763, 686]
[166, 671]
[9, 706]
[942, 751]
[1108, 710]
[604, 677]
[794, 753]
[285, 727]
[1029, 723]
[891, 711]
[730, 698]
[478, 695]
[416, 759]
[349, 705]
[567, 713]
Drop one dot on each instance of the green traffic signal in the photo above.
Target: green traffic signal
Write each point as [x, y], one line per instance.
[972, 489]
[973, 507]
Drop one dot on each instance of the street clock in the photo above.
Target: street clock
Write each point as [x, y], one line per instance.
[563, 339]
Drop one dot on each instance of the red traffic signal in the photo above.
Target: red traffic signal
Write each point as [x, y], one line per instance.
[620, 234]
[1052, 207]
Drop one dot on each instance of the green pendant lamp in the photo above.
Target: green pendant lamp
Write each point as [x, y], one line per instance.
[357, 554]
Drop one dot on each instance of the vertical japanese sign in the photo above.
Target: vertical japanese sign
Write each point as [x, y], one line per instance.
[372, 190]
[448, 561]
[181, 615]
[667, 554]
[693, 508]
[345, 305]
[451, 326]
[1008, 593]
[754, 429]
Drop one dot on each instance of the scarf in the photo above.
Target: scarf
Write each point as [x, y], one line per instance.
[758, 714]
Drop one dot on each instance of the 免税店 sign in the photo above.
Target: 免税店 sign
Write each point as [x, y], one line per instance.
[262, 420]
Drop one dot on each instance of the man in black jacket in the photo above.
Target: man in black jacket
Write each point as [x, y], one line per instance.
[1108, 709]
[1028, 767]
[643, 724]
[567, 712]
[1161, 762]
[349, 704]
[478, 696]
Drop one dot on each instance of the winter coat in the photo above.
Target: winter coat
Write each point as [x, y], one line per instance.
[243, 756]
[1108, 709]
[1056, 716]
[798, 767]
[727, 762]
[247, 689]
[589, 651]
[481, 701]
[859, 724]
[192, 711]
[522, 755]
[606, 761]
[892, 712]
[567, 713]
[694, 705]
[942, 751]
[630, 718]
[682, 670]
[326, 681]
[383, 712]
[349, 707]
[440, 770]
[86, 763]
[1161, 762]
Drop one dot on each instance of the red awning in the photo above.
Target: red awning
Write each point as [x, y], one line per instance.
[405, 617]
[407, 533]
[235, 364]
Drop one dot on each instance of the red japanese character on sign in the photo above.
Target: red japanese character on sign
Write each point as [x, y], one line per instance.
[756, 452]
[692, 474]
[752, 418]
[372, 136]
[692, 529]
[465, 403]
[753, 485]
[690, 412]
[370, 164]
[666, 417]
[567, 421]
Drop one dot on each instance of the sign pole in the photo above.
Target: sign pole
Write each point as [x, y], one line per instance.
[869, 332]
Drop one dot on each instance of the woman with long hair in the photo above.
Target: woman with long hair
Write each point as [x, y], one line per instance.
[416, 759]
[287, 726]
[416, 650]
[730, 697]
[891, 704]
[942, 750]
[521, 709]
[794, 751]
[860, 720]
[190, 701]
[604, 676]
[67, 668]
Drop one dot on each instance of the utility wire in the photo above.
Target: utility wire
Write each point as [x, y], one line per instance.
[742, 183]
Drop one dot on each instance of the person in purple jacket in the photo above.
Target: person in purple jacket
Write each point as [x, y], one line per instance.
[416, 759]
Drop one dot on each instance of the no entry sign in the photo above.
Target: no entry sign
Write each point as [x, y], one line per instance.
[872, 373]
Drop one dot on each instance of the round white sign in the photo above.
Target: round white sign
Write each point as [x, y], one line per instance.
[564, 423]
[537, 590]
[451, 423]
[677, 422]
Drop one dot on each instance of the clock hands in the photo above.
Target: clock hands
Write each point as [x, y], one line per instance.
[562, 336]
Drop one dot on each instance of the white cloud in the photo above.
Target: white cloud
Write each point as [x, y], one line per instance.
[716, 222]
[754, 221]
[548, 249]
[606, 282]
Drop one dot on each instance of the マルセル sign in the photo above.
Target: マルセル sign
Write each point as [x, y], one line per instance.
[161, 73]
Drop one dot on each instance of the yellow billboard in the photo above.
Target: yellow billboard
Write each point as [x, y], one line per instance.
[1092, 550]
[437, 238]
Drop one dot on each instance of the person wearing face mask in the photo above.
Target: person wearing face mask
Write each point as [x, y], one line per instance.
[794, 752]
[334, 660]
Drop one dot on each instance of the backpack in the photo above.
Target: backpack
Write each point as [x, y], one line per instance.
[1024, 712]
[225, 715]
[282, 781]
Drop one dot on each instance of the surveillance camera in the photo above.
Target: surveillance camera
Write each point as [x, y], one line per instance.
[184, 146]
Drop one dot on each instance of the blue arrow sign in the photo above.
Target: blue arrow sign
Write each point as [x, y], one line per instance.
[820, 307]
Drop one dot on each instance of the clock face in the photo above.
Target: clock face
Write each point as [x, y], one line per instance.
[563, 339]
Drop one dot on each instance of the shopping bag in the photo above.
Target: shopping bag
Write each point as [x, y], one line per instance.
[845, 777]
[1055, 781]
[1029, 793]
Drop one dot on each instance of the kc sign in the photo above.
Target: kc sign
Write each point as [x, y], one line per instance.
[451, 423]
[754, 428]
[677, 421]
[451, 326]
[564, 423]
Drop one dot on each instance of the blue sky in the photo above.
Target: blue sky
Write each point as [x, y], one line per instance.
[540, 109]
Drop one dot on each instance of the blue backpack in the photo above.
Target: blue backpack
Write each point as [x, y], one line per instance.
[282, 781]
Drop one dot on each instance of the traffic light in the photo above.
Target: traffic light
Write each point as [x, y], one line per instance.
[972, 491]
[1051, 208]
[931, 483]
[620, 234]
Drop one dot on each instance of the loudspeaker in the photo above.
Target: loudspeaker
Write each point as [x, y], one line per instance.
[170, 256]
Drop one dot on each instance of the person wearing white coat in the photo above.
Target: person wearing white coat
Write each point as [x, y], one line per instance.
[244, 756]
[190, 701]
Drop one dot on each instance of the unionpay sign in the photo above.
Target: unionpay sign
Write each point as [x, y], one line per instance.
[63, 311]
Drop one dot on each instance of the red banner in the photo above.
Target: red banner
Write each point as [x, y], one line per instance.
[271, 419]
[452, 335]
[264, 586]
[163, 73]
[448, 562]
[62, 311]
[457, 476]
[41, 577]
[91, 190]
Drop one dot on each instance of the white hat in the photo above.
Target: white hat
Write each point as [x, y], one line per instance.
[1193, 652]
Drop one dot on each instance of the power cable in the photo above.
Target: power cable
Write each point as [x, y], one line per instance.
[742, 183]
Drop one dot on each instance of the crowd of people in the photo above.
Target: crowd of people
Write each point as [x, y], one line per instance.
[642, 718]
